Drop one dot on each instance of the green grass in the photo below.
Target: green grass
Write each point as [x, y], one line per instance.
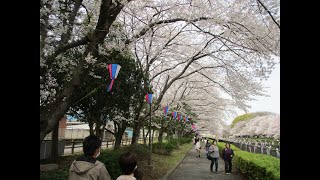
[247, 117]
[244, 117]
[165, 163]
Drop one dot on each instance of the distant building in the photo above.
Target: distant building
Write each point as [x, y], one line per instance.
[73, 129]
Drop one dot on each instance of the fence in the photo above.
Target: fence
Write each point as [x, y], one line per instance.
[257, 148]
[71, 146]
[75, 146]
[45, 149]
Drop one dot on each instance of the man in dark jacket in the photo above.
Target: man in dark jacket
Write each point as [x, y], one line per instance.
[227, 155]
[87, 166]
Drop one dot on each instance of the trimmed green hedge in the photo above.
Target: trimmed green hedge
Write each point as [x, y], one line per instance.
[255, 166]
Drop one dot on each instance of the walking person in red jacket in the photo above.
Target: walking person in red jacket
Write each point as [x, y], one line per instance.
[227, 155]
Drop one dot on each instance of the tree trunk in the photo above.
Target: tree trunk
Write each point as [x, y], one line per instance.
[54, 145]
[144, 136]
[91, 128]
[135, 133]
[97, 129]
[118, 138]
[179, 133]
[152, 136]
[160, 137]
[103, 132]
[119, 134]
[63, 101]
[42, 136]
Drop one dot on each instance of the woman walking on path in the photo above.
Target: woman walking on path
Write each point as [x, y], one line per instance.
[214, 153]
[206, 147]
[227, 155]
[198, 146]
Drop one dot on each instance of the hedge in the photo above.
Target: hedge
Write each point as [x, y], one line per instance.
[255, 166]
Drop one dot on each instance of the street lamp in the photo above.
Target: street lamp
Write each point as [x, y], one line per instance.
[149, 101]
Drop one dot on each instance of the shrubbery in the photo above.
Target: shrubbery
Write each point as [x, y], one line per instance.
[174, 142]
[184, 140]
[163, 148]
[140, 150]
[57, 174]
[255, 166]
[167, 147]
[111, 158]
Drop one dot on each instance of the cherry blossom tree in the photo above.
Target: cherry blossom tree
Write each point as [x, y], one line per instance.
[221, 46]
[70, 35]
[228, 43]
[263, 124]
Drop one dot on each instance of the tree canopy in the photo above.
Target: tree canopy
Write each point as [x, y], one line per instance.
[210, 55]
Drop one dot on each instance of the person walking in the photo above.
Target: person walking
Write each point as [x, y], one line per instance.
[128, 166]
[87, 166]
[227, 155]
[206, 147]
[214, 153]
[198, 147]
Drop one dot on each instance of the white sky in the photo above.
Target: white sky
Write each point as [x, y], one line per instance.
[272, 103]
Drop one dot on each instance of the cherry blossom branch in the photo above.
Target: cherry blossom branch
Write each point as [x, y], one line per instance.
[259, 2]
[66, 36]
[225, 89]
[149, 26]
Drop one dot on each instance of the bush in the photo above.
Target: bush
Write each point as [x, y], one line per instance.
[58, 174]
[158, 148]
[255, 166]
[111, 157]
[111, 160]
[174, 143]
[140, 150]
[163, 148]
[185, 140]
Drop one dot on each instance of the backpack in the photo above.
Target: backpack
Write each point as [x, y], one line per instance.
[209, 156]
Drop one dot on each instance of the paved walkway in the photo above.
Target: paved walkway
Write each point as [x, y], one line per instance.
[193, 167]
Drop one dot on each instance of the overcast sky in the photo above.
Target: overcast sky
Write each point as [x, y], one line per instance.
[272, 103]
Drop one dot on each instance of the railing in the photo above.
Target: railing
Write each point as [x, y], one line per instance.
[270, 150]
[72, 146]
[75, 145]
